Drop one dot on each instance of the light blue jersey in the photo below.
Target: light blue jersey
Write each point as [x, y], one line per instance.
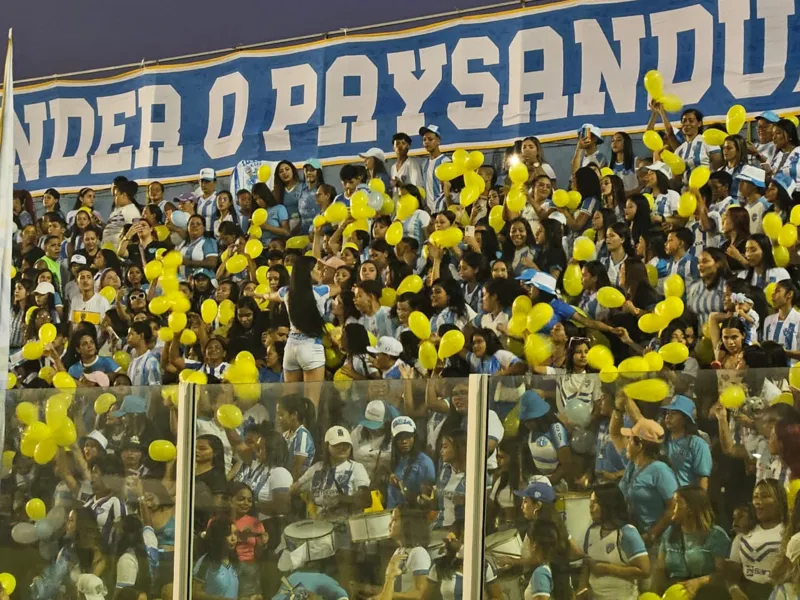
[145, 370]
[690, 458]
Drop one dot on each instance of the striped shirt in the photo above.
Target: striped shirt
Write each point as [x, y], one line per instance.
[489, 365]
[628, 176]
[788, 164]
[414, 226]
[207, 208]
[433, 186]
[757, 210]
[379, 324]
[198, 250]
[448, 316]
[300, 443]
[666, 205]
[703, 301]
[589, 304]
[217, 371]
[145, 370]
[107, 511]
[694, 154]
[686, 267]
[785, 332]
[773, 275]
[451, 483]
[613, 269]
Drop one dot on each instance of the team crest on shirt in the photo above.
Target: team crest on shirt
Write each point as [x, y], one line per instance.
[610, 547]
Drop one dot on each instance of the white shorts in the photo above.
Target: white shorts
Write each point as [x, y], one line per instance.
[303, 355]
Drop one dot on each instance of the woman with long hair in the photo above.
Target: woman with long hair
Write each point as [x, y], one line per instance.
[518, 247]
[374, 163]
[81, 224]
[640, 298]
[623, 163]
[665, 208]
[787, 149]
[226, 211]
[688, 454]
[277, 224]
[489, 358]
[706, 294]
[252, 538]
[550, 256]
[295, 416]
[20, 303]
[779, 194]
[412, 471]
[762, 269]
[503, 505]
[532, 154]
[473, 273]
[137, 554]
[693, 549]
[594, 275]
[637, 215]
[215, 573]
[82, 552]
[288, 189]
[602, 219]
[546, 438]
[613, 197]
[498, 296]
[587, 184]
[620, 248]
[736, 231]
[734, 153]
[616, 557]
[85, 200]
[755, 553]
[450, 490]
[157, 509]
[307, 206]
[448, 305]
[210, 463]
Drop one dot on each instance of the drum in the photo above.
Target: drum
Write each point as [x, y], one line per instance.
[370, 527]
[504, 543]
[310, 539]
[574, 509]
[437, 547]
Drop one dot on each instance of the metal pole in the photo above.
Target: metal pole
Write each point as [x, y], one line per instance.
[184, 491]
[475, 507]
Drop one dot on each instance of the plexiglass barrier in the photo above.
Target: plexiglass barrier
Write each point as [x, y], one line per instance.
[366, 489]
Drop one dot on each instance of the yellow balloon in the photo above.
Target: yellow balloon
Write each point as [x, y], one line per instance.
[538, 349]
[654, 84]
[227, 310]
[714, 137]
[609, 374]
[162, 232]
[674, 353]
[610, 297]
[63, 381]
[653, 141]
[699, 177]
[633, 367]
[734, 121]
[298, 242]
[259, 217]
[511, 422]
[179, 302]
[388, 297]
[652, 275]
[27, 413]
[188, 337]
[496, 220]
[573, 284]
[412, 283]
[8, 460]
[794, 376]
[673, 307]
[794, 217]
[336, 213]
[600, 357]
[172, 260]
[47, 333]
[35, 509]
[264, 172]
[781, 256]
[687, 203]
[109, 293]
[56, 411]
[648, 390]
[652, 323]
[165, 334]
[153, 269]
[671, 103]
[583, 249]
[674, 286]
[649, 596]
[376, 185]
[122, 358]
[9, 583]
[675, 162]
[253, 248]
[104, 403]
[159, 305]
[387, 208]
[254, 233]
[11, 382]
[786, 238]
[517, 325]
[45, 451]
[451, 343]
[169, 283]
[675, 592]
[33, 350]
[419, 325]
[474, 160]
[575, 199]
[162, 451]
[772, 225]
[208, 310]
[515, 201]
[539, 316]
[447, 171]
[560, 198]
[521, 306]
[654, 361]
[229, 416]
[427, 355]
[406, 206]
[65, 435]
[770, 289]
[394, 233]
[518, 173]
[732, 397]
[236, 263]
[177, 322]
[47, 373]
[29, 314]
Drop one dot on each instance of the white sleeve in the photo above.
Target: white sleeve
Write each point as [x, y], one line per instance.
[305, 478]
[495, 427]
[506, 358]
[127, 570]
[280, 479]
[735, 549]
[360, 477]
[419, 561]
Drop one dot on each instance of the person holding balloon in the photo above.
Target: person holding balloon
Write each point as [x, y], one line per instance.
[665, 209]
[518, 249]
[586, 182]
[277, 222]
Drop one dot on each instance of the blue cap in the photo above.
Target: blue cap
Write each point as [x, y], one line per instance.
[313, 162]
[532, 406]
[785, 181]
[682, 404]
[131, 405]
[753, 175]
[538, 490]
[770, 116]
[544, 282]
[527, 275]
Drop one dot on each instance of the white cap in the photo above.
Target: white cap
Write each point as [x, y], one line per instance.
[557, 216]
[45, 288]
[207, 174]
[432, 128]
[338, 435]
[661, 167]
[374, 153]
[593, 129]
[92, 587]
[375, 415]
[752, 174]
[403, 425]
[386, 345]
[78, 259]
[544, 282]
[97, 437]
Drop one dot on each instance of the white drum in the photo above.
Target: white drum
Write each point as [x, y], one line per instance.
[574, 509]
[504, 543]
[370, 527]
[310, 539]
[437, 547]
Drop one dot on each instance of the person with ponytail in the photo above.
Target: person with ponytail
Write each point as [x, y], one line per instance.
[295, 418]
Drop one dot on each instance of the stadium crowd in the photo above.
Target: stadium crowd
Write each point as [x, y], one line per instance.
[640, 324]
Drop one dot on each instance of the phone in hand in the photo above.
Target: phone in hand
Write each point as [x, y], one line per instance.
[469, 231]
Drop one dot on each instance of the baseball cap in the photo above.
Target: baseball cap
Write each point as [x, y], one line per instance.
[645, 429]
[376, 414]
[92, 587]
[770, 116]
[207, 174]
[538, 490]
[374, 153]
[132, 442]
[544, 282]
[785, 181]
[432, 128]
[386, 345]
[338, 435]
[205, 273]
[754, 175]
[44, 288]
[661, 167]
[594, 130]
[793, 547]
[97, 437]
[186, 197]
[606, 172]
[532, 406]
[131, 405]
[313, 162]
[78, 259]
[682, 404]
[557, 216]
[333, 262]
[527, 275]
[403, 425]
[98, 378]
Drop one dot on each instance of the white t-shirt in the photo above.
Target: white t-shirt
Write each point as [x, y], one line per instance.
[757, 552]
[117, 220]
[347, 478]
[370, 451]
[96, 305]
[417, 562]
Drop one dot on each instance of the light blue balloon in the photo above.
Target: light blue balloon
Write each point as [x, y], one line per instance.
[578, 412]
[180, 219]
[44, 529]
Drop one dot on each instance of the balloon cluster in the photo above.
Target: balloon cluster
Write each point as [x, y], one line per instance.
[165, 268]
[451, 343]
[785, 235]
[734, 121]
[41, 441]
[42, 529]
[34, 350]
[654, 84]
[464, 164]
[526, 322]
[667, 310]
[243, 374]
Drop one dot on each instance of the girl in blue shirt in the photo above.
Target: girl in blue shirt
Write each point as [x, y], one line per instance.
[295, 416]
[288, 190]
[199, 251]
[214, 573]
[689, 454]
[412, 470]
[277, 224]
[307, 204]
[543, 540]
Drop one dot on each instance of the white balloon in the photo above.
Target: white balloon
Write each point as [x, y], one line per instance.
[44, 529]
[57, 517]
[24, 533]
[375, 201]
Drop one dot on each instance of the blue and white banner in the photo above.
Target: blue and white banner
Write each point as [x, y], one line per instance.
[484, 80]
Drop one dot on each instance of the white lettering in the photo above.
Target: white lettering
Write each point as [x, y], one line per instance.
[666, 26]
[415, 91]
[599, 62]
[215, 144]
[61, 111]
[361, 106]
[549, 81]
[167, 132]
[283, 80]
[776, 13]
[108, 107]
[29, 147]
[483, 84]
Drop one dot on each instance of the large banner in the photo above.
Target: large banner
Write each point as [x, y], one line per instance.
[483, 80]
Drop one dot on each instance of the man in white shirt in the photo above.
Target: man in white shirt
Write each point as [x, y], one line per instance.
[783, 326]
[207, 198]
[124, 213]
[589, 138]
[765, 149]
[405, 170]
[89, 306]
